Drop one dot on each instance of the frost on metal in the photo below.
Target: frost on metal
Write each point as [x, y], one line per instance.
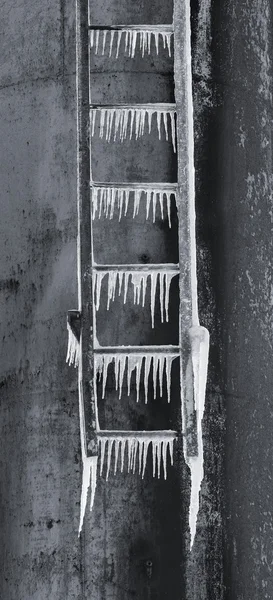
[104, 41]
[120, 122]
[106, 199]
[139, 281]
[137, 444]
[158, 364]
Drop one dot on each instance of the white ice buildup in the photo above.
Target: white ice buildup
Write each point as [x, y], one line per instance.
[106, 198]
[199, 338]
[158, 364]
[125, 121]
[139, 281]
[73, 348]
[89, 480]
[116, 446]
[109, 41]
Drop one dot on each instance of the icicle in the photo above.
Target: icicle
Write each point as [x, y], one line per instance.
[112, 280]
[117, 122]
[92, 38]
[126, 283]
[118, 42]
[168, 367]
[147, 367]
[122, 454]
[161, 295]
[156, 40]
[102, 119]
[144, 456]
[168, 278]
[153, 291]
[111, 42]
[161, 361]
[158, 118]
[150, 114]
[122, 363]
[134, 41]
[168, 197]
[148, 202]
[126, 40]
[97, 41]
[73, 348]
[154, 455]
[104, 40]
[149, 41]
[165, 125]
[116, 449]
[89, 479]
[138, 363]
[102, 453]
[173, 130]
[168, 39]
[109, 454]
[94, 112]
[199, 337]
[155, 369]
[164, 457]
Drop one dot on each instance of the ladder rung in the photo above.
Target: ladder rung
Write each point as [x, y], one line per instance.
[138, 186]
[156, 28]
[166, 267]
[170, 107]
[138, 350]
[166, 433]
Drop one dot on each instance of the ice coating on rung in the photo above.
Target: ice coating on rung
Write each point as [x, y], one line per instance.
[120, 122]
[115, 449]
[139, 280]
[106, 199]
[158, 364]
[130, 39]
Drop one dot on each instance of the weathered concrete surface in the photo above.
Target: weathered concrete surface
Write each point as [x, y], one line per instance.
[39, 448]
[133, 521]
[241, 172]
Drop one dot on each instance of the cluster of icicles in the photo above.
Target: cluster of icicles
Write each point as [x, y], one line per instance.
[137, 446]
[104, 200]
[73, 348]
[117, 121]
[131, 37]
[139, 281]
[157, 363]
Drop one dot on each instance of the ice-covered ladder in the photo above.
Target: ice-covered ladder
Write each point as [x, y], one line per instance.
[84, 351]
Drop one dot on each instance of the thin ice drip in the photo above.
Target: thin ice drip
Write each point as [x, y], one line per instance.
[139, 280]
[114, 122]
[115, 449]
[107, 41]
[157, 364]
[105, 200]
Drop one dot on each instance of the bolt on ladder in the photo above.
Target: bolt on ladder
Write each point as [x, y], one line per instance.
[96, 198]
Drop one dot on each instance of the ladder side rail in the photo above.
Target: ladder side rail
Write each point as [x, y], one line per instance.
[88, 410]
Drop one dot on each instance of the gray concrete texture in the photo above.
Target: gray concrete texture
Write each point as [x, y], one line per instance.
[135, 521]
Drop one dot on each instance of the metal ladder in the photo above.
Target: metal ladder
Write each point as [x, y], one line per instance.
[97, 198]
